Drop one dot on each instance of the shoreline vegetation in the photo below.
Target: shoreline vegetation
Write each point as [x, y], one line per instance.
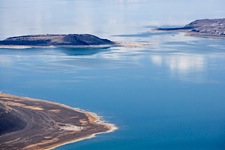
[47, 124]
[207, 28]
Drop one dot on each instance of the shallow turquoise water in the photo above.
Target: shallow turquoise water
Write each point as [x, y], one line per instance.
[169, 95]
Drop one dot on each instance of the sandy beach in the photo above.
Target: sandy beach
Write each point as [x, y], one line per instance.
[48, 124]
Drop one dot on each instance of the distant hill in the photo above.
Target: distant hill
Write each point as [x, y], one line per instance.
[56, 40]
[204, 28]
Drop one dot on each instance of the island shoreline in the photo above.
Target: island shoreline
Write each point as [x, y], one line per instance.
[113, 128]
[93, 118]
[56, 46]
[204, 28]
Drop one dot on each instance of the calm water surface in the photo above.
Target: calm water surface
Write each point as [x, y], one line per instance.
[170, 95]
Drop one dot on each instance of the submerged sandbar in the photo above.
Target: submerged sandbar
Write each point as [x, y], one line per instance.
[39, 124]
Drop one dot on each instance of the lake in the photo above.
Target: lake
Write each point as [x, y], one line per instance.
[168, 95]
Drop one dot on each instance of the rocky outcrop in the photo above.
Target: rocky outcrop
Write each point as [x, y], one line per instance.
[56, 40]
[204, 27]
[207, 26]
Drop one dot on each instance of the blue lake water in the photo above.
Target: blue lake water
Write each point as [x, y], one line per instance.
[170, 95]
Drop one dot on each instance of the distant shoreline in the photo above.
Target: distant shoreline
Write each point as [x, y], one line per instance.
[190, 33]
[52, 124]
[205, 28]
[54, 46]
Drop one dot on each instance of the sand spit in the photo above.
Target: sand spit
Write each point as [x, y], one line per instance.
[48, 124]
[138, 44]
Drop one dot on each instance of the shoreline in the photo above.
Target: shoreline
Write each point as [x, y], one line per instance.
[98, 120]
[55, 46]
[92, 120]
[192, 34]
[204, 28]
[113, 128]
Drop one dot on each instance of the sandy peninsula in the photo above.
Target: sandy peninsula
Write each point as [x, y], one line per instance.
[28, 123]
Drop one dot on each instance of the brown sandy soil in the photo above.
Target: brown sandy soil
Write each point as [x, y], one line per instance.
[48, 124]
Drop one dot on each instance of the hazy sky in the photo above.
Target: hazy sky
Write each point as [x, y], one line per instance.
[102, 17]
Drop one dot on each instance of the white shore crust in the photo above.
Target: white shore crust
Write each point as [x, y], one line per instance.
[131, 44]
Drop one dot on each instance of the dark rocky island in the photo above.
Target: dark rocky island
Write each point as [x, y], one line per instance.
[56, 40]
[37, 124]
[213, 28]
